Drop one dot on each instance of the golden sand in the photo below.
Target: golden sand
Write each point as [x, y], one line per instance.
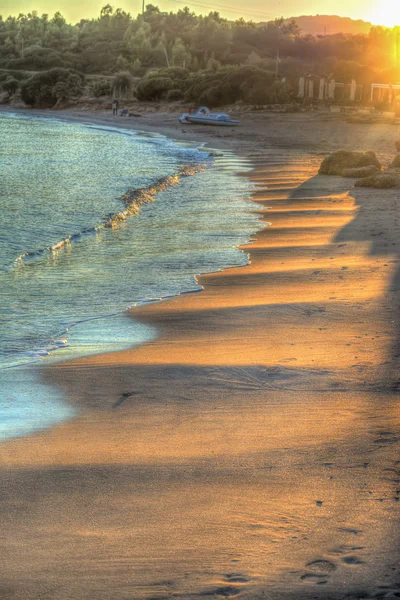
[251, 449]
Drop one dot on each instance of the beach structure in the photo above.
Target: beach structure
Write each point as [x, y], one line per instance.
[322, 89]
[384, 92]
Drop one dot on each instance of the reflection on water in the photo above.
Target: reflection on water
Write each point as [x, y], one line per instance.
[60, 179]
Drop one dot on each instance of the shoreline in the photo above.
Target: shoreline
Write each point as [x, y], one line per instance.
[172, 130]
[132, 202]
[252, 447]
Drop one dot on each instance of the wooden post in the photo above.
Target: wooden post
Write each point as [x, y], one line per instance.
[331, 89]
[302, 87]
[353, 90]
[311, 88]
[322, 89]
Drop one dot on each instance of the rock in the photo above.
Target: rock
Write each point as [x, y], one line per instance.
[360, 172]
[396, 162]
[336, 163]
[379, 181]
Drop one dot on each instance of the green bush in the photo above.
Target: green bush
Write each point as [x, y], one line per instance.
[173, 73]
[175, 94]
[211, 87]
[7, 73]
[122, 84]
[217, 95]
[230, 84]
[10, 85]
[168, 83]
[45, 88]
[154, 88]
[100, 88]
[37, 58]
[258, 95]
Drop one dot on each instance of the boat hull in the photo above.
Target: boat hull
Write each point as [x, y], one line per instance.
[205, 121]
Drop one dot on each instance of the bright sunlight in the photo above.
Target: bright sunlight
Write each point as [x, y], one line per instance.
[387, 13]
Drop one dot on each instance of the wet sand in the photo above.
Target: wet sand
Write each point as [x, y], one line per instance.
[252, 449]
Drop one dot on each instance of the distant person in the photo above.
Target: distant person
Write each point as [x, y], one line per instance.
[114, 107]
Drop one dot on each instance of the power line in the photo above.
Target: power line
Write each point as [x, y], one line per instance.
[224, 7]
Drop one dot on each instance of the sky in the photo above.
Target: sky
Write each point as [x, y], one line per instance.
[380, 12]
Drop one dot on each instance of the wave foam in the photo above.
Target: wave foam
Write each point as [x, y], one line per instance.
[133, 200]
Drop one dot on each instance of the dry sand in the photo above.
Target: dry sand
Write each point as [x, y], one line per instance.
[252, 450]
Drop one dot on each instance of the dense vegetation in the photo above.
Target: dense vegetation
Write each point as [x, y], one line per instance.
[181, 55]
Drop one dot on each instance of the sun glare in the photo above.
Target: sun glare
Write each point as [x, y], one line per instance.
[387, 13]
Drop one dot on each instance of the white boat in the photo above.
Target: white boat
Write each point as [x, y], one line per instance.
[204, 116]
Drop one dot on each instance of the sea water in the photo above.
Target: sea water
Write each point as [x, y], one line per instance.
[66, 281]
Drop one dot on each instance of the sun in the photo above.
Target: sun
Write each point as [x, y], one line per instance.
[386, 12]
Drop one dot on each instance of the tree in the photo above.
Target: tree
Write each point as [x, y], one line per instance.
[121, 64]
[11, 85]
[180, 54]
[117, 42]
[122, 84]
[106, 11]
[45, 88]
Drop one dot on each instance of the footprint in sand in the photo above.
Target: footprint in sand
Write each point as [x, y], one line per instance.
[314, 578]
[236, 578]
[229, 591]
[225, 592]
[321, 566]
[319, 571]
[350, 530]
[386, 438]
[352, 560]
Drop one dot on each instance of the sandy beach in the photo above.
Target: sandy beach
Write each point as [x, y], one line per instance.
[252, 449]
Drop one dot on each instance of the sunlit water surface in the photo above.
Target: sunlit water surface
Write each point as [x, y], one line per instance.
[62, 179]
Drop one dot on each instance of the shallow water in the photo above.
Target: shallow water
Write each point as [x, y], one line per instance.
[62, 180]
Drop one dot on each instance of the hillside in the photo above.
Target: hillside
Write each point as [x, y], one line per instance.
[330, 25]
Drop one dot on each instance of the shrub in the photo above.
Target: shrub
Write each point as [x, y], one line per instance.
[121, 64]
[45, 88]
[7, 73]
[217, 95]
[213, 87]
[35, 58]
[71, 87]
[100, 88]
[172, 72]
[159, 83]
[258, 95]
[175, 94]
[230, 84]
[154, 88]
[122, 84]
[10, 85]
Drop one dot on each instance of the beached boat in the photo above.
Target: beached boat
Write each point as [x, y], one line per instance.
[204, 116]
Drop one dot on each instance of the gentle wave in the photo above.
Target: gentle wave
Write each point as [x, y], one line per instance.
[133, 200]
